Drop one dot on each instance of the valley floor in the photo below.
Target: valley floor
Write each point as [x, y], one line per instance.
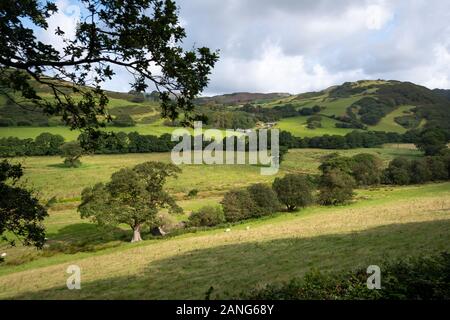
[383, 222]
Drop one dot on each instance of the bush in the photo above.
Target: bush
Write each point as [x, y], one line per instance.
[420, 173]
[423, 278]
[208, 216]
[238, 205]
[294, 190]
[398, 172]
[124, 120]
[6, 123]
[24, 123]
[366, 169]
[192, 193]
[336, 187]
[265, 199]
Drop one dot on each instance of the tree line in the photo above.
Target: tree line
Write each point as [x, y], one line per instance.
[335, 185]
[47, 144]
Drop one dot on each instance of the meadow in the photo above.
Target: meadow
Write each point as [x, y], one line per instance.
[381, 222]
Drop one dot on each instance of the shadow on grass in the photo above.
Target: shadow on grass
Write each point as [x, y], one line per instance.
[232, 269]
[82, 237]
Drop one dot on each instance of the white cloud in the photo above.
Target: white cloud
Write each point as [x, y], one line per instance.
[302, 45]
[66, 19]
[377, 16]
[275, 72]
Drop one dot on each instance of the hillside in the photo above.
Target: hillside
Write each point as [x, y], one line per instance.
[375, 105]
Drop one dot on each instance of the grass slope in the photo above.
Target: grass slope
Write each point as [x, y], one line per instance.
[382, 224]
[298, 127]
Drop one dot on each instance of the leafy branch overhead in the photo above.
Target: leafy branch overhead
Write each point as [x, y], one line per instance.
[143, 37]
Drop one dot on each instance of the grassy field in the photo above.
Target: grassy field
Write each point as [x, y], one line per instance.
[298, 127]
[382, 224]
[70, 135]
[388, 123]
[44, 173]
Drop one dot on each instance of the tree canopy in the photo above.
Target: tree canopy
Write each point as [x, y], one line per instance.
[133, 197]
[20, 212]
[143, 37]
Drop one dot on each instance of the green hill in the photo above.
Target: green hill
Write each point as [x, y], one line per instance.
[376, 105]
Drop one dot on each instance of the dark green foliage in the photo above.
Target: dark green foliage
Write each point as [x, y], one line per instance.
[314, 122]
[136, 37]
[208, 216]
[346, 90]
[21, 214]
[133, 197]
[294, 191]
[371, 110]
[192, 193]
[264, 198]
[402, 171]
[336, 187]
[238, 205]
[424, 278]
[47, 144]
[366, 169]
[398, 172]
[439, 167]
[334, 161]
[283, 150]
[270, 114]
[408, 122]
[432, 141]
[72, 152]
[420, 172]
[124, 120]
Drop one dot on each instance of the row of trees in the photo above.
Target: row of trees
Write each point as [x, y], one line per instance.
[47, 144]
[430, 141]
[335, 186]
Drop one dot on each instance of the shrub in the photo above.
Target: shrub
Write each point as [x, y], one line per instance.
[238, 205]
[336, 187]
[72, 152]
[420, 173]
[265, 199]
[438, 168]
[207, 216]
[24, 123]
[192, 193]
[424, 278]
[366, 169]
[294, 190]
[6, 123]
[432, 141]
[398, 172]
[124, 120]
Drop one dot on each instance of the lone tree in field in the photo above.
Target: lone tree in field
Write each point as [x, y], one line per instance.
[294, 190]
[143, 37]
[72, 152]
[21, 215]
[133, 197]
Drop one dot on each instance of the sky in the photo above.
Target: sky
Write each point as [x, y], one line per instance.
[297, 46]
